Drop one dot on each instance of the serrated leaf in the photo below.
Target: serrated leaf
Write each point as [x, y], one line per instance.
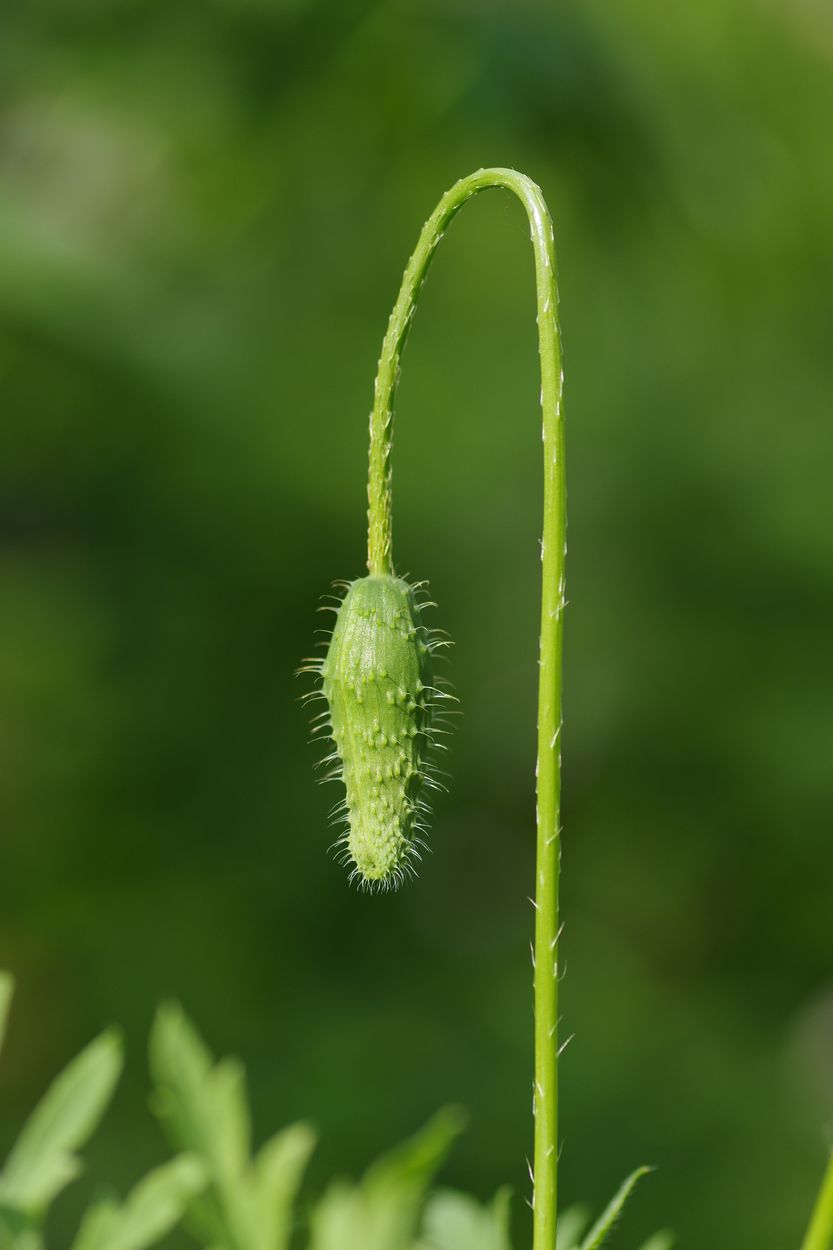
[6, 990]
[202, 1105]
[42, 1161]
[606, 1221]
[663, 1240]
[203, 1108]
[382, 1211]
[279, 1166]
[571, 1224]
[454, 1221]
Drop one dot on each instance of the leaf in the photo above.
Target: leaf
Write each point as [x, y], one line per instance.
[228, 1107]
[663, 1240]
[98, 1226]
[42, 1161]
[151, 1210]
[604, 1224]
[158, 1203]
[248, 1203]
[819, 1235]
[454, 1221]
[6, 988]
[279, 1167]
[412, 1164]
[180, 1066]
[203, 1108]
[337, 1221]
[382, 1211]
[571, 1224]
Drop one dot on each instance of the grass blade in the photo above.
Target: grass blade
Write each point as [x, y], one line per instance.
[606, 1221]
[819, 1235]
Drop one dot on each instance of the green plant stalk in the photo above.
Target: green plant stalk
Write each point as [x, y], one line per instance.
[819, 1235]
[553, 551]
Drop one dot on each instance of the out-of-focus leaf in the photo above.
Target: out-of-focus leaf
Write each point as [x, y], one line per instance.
[153, 1208]
[571, 1224]
[247, 1204]
[662, 1240]
[42, 1161]
[203, 1109]
[279, 1167]
[6, 988]
[454, 1221]
[98, 1226]
[819, 1235]
[604, 1224]
[382, 1211]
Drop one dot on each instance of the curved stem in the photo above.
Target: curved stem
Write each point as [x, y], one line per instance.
[553, 550]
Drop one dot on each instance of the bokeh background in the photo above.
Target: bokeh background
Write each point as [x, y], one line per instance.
[204, 214]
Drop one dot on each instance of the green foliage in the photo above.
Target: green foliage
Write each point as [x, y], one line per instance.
[150, 1210]
[45, 1159]
[604, 1225]
[202, 1105]
[663, 1240]
[382, 1211]
[454, 1221]
[235, 1199]
[820, 1232]
[571, 1224]
[5, 1001]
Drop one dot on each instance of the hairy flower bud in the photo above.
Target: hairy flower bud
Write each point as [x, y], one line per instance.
[377, 681]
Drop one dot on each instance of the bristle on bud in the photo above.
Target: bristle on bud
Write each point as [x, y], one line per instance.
[377, 680]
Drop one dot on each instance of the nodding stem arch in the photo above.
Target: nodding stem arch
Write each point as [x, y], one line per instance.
[553, 550]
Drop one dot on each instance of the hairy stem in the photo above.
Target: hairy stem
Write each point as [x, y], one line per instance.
[820, 1233]
[553, 550]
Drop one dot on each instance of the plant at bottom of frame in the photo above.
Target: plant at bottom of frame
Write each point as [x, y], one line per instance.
[250, 1199]
[231, 1197]
[45, 1159]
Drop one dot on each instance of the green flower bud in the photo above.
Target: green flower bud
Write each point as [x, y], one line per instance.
[377, 681]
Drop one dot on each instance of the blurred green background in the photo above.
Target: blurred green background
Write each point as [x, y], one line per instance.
[204, 214]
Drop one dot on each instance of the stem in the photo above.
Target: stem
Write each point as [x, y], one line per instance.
[553, 551]
[819, 1235]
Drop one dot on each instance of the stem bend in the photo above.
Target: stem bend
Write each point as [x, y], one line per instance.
[553, 551]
